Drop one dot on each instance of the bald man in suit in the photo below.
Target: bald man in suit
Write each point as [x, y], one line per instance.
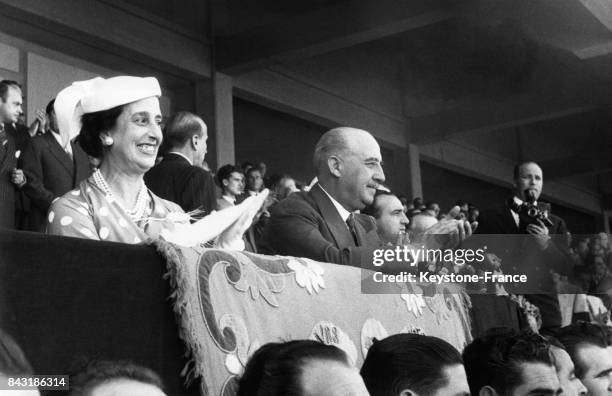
[323, 224]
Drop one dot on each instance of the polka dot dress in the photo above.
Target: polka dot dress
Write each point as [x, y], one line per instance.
[86, 212]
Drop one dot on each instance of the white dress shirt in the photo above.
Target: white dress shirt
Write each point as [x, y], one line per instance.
[231, 200]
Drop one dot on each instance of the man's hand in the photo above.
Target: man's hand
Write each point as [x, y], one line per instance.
[40, 123]
[540, 232]
[231, 238]
[18, 177]
[449, 232]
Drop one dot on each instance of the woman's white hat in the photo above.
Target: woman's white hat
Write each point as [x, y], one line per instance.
[98, 94]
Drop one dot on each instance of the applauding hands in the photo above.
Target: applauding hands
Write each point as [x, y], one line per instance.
[449, 232]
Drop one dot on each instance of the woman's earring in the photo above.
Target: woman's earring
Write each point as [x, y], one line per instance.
[107, 141]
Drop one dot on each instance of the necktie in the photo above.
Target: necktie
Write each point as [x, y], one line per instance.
[350, 222]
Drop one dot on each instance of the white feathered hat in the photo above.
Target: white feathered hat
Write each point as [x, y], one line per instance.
[98, 94]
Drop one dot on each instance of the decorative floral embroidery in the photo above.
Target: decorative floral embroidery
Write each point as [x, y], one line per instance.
[370, 330]
[236, 361]
[330, 334]
[410, 329]
[247, 278]
[414, 303]
[309, 276]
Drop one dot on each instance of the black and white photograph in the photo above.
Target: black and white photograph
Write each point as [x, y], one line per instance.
[306, 198]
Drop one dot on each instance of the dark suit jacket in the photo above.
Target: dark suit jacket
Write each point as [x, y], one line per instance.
[176, 180]
[8, 192]
[308, 225]
[22, 202]
[501, 221]
[519, 256]
[50, 173]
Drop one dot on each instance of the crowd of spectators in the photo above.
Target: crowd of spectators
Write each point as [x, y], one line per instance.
[502, 361]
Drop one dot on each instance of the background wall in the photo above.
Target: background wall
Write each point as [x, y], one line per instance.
[284, 142]
[43, 72]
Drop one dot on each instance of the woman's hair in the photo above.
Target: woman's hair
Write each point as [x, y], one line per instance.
[276, 369]
[12, 358]
[93, 124]
[96, 373]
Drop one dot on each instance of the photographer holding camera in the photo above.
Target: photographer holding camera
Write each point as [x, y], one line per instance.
[537, 256]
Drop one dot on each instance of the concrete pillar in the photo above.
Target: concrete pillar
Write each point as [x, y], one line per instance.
[414, 167]
[214, 102]
[405, 178]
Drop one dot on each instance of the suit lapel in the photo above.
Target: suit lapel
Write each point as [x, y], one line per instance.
[337, 227]
[364, 227]
[360, 233]
[58, 152]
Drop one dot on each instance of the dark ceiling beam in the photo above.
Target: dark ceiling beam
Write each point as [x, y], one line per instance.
[486, 117]
[560, 85]
[587, 163]
[602, 13]
[108, 36]
[286, 94]
[343, 25]
[601, 10]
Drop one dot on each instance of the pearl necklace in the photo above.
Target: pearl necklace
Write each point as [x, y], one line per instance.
[142, 200]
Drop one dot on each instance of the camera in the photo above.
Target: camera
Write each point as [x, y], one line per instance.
[530, 213]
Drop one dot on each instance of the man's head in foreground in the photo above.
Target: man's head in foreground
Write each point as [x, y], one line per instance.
[108, 378]
[391, 220]
[570, 383]
[590, 348]
[414, 365]
[349, 166]
[13, 363]
[507, 363]
[302, 367]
